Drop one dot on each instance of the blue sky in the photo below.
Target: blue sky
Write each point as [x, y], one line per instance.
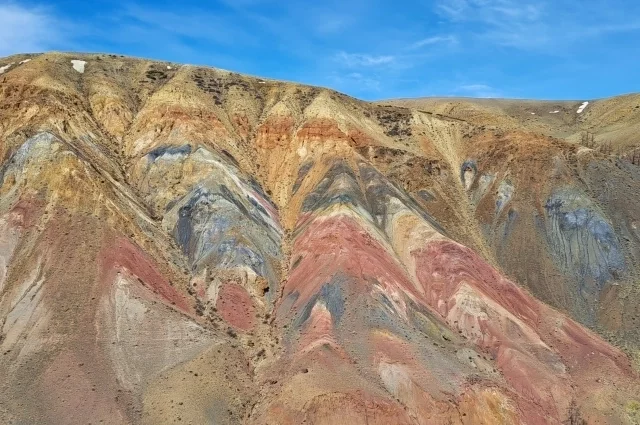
[376, 49]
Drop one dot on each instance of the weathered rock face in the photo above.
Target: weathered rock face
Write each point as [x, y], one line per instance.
[182, 244]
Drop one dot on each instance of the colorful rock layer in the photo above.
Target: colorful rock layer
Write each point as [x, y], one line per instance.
[188, 245]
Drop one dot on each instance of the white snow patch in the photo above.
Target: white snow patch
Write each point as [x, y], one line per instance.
[554, 112]
[78, 65]
[5, 68]
[581, 108]
[24, 61]
[168, 67]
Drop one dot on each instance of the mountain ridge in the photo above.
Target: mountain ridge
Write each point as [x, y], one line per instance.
[186, 242]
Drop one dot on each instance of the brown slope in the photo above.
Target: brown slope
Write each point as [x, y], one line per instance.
[613, 120]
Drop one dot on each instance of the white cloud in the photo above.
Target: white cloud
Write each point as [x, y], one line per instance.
[489, 10]
[25, 29]
[429, 41]
[504, 22]
[355, 60]
[538, 24]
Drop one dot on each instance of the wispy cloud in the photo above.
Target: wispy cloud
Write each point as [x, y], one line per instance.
[355, 60]
[537, 24]
[477, 90]
[490, 10]
[505, 22]
[190, 23]
[24, 29]
[430, 41]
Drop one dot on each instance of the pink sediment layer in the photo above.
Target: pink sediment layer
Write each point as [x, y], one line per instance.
[122, 254]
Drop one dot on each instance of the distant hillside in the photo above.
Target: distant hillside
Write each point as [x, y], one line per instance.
[615, 120]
